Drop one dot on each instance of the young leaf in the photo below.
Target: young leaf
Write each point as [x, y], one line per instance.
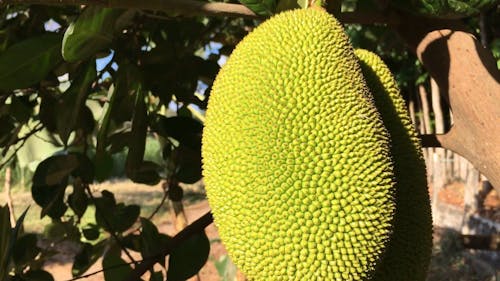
[92, 32]
[29, 61]
[261, 7]
[188, 258]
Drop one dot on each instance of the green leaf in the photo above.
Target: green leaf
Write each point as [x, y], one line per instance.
[186, 130]
[92, 32]
[25, 250]
[29, 61]
[152, 242]
[125, 217]
[188, 258]
[261, 7]
[137, 140]
[91, 232]
[72, 106]
[284, 5]
[38, 275]
[448, 9]
[156, 276]
[87, 256]
[115, 217]
[49, 183]
[78, 201]
[112, 259]
[188, 165]
[5, 237]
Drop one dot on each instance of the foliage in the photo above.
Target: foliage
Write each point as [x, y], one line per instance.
[94, 93]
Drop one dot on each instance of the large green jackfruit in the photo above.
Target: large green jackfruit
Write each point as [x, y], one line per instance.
[296, 159]
[408, 253]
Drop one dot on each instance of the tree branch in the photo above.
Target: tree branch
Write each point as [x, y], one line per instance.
[197, 8]
[195, 227]
[469, 81]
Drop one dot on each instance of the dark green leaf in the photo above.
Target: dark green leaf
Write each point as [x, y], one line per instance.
[188, 165]
[450, 9]
[7, 130]
[87, 256]
[55, 169]
[91, 232]
[133, 242]
[184, 129]
[137, 139]
[112, 259]
[29, 61]
[284, 5]
[175, 192]
[156, 276]
[261, 7]
[25, 249]
[146, 173]
[78, 200]
[49, 183]
[73, 101]
[152, 242]
[38, 275]
[92, 32]
[5, 237]
[125, 217]
[188, 258]
[85, 169]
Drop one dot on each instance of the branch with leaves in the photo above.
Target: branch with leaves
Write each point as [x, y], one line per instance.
[189, 8]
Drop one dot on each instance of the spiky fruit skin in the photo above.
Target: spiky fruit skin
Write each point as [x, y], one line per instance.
[408, 253]
[296, 159]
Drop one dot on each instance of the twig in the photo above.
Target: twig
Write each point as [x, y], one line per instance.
[23, 140]
[108, 225]
[187, 232]
[198, 8]
[104, 269]
[148, 262]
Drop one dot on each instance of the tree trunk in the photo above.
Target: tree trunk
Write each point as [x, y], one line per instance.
[8, 196]
[438, 179]
[470, 198]
[425, 128]
[468, 77]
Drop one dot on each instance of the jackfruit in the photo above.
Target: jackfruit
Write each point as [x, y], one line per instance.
[296, 159]
[409, 250]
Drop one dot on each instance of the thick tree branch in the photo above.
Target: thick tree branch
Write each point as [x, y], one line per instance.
[469, 81]
[195, 227]
[196, 8]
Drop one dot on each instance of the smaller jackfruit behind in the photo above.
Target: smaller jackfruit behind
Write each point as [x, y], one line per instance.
[408, 253]
[296, 158]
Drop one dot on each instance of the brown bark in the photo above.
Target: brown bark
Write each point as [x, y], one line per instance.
[470, 82]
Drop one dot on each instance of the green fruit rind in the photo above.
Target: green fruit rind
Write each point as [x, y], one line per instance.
[408, 253]
[296, 159]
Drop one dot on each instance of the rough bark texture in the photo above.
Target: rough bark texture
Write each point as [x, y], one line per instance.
[469, 81]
